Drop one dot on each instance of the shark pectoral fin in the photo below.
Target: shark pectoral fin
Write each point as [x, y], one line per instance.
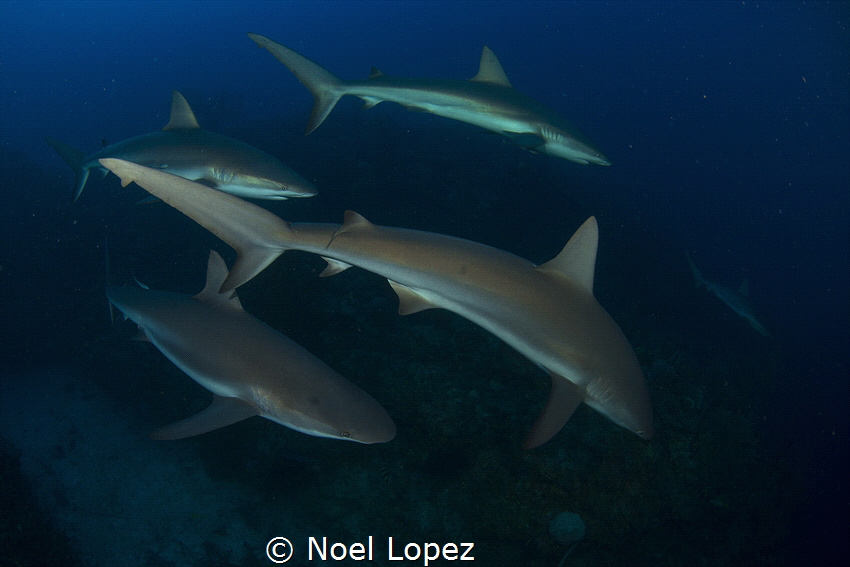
[141, 336]
[181, 113]
[334, 267]
[410, 300]
[221, 413]
[563, 400]
[525, 140]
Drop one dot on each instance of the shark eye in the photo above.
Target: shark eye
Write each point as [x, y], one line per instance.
[346, 434]
[163, 166]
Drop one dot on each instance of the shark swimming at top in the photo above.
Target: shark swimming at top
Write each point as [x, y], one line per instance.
[737, 300]
[487, 100]
[547, 312]
[251, 368]
[183, 148]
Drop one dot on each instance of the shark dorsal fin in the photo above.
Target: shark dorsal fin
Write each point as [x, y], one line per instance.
[181, 113]
[375, 72]
[490, 70]
[216, 274]
[351, 221]
[577, 260]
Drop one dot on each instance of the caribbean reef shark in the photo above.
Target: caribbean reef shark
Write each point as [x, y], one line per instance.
[251, 368]
[546, 312]
[184, 149]
[487, 100]
[737, 300]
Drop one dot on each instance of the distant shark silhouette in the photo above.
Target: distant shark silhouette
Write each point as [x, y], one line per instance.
[737, 300]
[251, 368]
[546, 312]
[184, 149]
[487, 100]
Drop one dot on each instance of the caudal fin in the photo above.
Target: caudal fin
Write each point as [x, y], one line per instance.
[257, 235]
[75, 158]
[325, 86]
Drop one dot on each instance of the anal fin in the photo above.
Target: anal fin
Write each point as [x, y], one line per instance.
[410, 300]
[220, 413]
[564, 398]
[334, 267]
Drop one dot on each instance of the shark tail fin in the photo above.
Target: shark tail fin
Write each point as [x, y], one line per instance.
[75, 158]
[326, 87]
[698, 281]
[257, 235]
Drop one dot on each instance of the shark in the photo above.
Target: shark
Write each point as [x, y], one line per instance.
[182, 147]
[487, 100]
[547, 312]
[737, 300]
[250, 368]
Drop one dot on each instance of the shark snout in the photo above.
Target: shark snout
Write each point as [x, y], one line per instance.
[263, 188]
[379, 432]
[599, 159]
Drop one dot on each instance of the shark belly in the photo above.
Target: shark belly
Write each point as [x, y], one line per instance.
[178, 340]
[460, 107]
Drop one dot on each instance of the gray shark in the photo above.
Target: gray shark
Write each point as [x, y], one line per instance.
[736, 299]
[546, 312]
[487, 100]
[251, 368]
[185, 149]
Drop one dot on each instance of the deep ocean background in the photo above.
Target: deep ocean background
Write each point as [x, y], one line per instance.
[727, 127]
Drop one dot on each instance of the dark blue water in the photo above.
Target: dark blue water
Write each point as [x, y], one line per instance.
[727, 127]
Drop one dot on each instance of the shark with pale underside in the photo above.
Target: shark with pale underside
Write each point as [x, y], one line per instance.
[487, 100]
[251, 368]
[547, 312]
[183, 148]
[738, 300]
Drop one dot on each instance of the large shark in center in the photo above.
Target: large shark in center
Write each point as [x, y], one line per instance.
[546, 312]
[251, 368]
[487, 100]
[185, 149]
